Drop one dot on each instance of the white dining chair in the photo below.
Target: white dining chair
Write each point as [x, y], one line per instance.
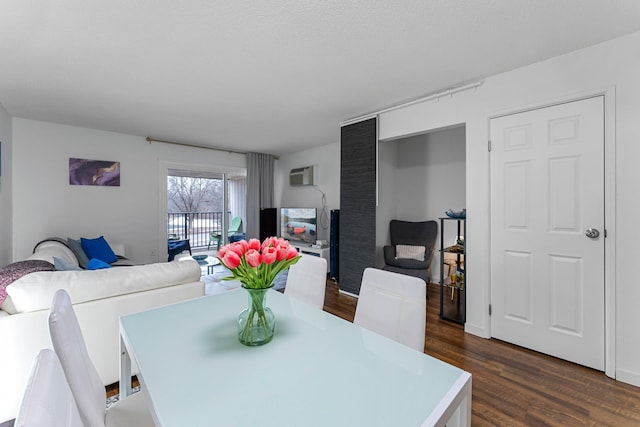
[82, 376]
[47, 400]
[307, 280]
[393, 305]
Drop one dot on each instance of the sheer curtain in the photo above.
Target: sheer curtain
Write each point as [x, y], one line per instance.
[259, 190]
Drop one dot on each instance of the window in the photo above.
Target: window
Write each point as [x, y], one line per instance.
[196, 201]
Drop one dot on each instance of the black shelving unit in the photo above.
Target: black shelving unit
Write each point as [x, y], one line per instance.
[453, 298]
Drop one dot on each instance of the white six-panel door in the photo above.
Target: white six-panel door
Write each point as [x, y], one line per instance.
[547, 193]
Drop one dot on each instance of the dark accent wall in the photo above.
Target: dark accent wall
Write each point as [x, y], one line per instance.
[357, 202]
[334, 244]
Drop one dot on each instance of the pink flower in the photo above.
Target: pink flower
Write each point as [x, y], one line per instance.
[291, 253]
[223, 250]
[256, 264]
[254, 244]
[269, 242]
[281, 254]
[231, 260]
[253, 257]
[237, 247]
[269, 255]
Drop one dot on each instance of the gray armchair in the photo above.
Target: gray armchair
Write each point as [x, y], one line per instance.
[423, 233]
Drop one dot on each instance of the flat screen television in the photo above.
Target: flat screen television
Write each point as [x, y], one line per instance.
[298, 224]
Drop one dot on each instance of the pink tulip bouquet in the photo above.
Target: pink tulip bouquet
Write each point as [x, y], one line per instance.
[256, 264]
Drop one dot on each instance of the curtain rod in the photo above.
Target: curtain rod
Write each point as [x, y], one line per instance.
[448, 92]
[186, 144]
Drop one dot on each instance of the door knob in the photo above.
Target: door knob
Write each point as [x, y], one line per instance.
[592, 233]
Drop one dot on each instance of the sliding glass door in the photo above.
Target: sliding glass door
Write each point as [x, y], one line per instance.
[201, 205]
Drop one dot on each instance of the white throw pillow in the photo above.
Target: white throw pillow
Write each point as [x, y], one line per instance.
[410, 252]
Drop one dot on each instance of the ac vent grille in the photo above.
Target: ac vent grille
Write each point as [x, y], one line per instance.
[301, 176]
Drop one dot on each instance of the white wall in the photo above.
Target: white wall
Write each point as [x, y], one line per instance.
[44, 204]
[388, 189]
[326, 162]
[431, 174]
[5, 186]
[587, 71]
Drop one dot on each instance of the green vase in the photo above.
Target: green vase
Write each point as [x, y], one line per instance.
[256, 323]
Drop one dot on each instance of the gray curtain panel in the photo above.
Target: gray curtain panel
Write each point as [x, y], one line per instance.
[259, 190]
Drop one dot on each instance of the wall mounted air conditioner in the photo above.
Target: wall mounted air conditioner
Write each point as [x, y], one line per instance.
[301, 176]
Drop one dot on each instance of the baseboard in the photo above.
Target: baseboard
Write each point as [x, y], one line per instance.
[475, 330]
[347, 293]
[628, 377]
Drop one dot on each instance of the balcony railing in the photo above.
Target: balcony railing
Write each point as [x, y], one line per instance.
[195, 226]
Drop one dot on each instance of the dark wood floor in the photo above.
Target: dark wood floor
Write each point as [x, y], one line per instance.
[513, 386]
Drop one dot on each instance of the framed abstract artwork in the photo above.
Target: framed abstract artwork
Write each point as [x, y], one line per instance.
[104, 173]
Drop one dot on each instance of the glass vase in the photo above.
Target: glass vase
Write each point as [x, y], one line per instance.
[256, 323]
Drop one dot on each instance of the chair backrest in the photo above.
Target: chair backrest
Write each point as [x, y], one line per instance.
[307, 280]
[393, 305]
[47, 400]
[421, 233]
[236, 224]
[82, 376]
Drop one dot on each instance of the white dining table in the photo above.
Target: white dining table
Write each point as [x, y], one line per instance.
[319, 370]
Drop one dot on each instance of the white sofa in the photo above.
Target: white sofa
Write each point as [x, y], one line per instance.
[99, 298]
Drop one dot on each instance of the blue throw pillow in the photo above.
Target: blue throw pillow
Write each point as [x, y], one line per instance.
[98, 248]
[76, 247]
[96, 264]
[64, 265]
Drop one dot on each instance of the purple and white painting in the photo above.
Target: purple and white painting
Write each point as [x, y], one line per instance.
[94, 172]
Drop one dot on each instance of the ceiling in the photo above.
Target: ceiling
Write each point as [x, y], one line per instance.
[270, 76]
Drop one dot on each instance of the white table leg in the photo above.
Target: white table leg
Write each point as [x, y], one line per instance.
[455, 408]
[125, 370]
[462, 416]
